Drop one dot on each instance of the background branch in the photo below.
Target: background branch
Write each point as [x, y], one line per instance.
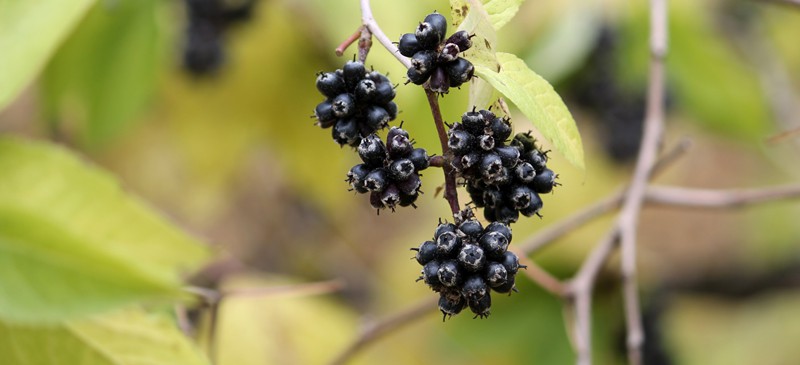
[376, 330]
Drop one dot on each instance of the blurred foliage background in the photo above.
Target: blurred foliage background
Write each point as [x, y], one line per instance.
[233, 156]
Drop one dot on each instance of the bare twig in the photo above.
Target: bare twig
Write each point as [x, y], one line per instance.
[450, 192]
[369, 22]
[376, 330]
[795, 3]
[580, 296]
[648, 152]
[719, 199]
[541, 276]
[347, 42]
[605, 205]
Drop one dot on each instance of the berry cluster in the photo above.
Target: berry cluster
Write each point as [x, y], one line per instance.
[434, 57]
[517, 190]
[390, 172]
[358, 103]
[479, 148]
[465, 260]
[204, 51]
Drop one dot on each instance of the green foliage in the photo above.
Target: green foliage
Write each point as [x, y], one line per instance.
[500, 12]
[512, 78]
[107, 70]
[72, 242]
[129, 337]
[30, 32]
[535, 97]
[707, 75]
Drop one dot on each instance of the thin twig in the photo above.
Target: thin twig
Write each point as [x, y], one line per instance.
[580, 296]
[347, 42]
[364, 44]
[794, 3]
[450, 192]
[376, 330]
[605, 205]
[369, 21]
[651, 140]
[718, 199]
[540, 276]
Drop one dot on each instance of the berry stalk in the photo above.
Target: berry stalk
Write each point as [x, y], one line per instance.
[450, 192]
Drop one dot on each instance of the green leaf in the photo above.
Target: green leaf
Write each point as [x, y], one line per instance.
[477, 22]
[500, 12]
[535, 97]
[130, 337]
[72, 242]
[30, 33]
[107, 70]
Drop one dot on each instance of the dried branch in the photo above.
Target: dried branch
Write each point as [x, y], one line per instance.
[450, 192]
[347, 42]
[794, 3]
[629, 217]
[605, 205]
[376, 330]
[719, 199]
[369, 22]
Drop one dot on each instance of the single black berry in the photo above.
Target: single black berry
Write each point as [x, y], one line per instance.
[426, 252]
[408, 45]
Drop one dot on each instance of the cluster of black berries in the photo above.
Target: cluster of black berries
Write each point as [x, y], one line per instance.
[434, 57]
[517, 191]
[204, 52]
[465, 260]
[390, 172]
[358, 103]
[504, 178]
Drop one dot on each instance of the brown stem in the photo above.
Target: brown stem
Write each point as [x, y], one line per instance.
[540, 276]
[450, 192]
[364, 44]
[437, 161]
[347, 42]
[375, 330]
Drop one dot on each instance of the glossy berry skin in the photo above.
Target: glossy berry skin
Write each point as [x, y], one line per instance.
[512, 186]
[544, 181]
[461, 269]
[390, 172]
[354, 96]
[434, 59]
[480, 306]
[330, 84]
[451, 303]
[449, 274]
[444, 227]
[419, 157]
[408, 45]
[460, 39]
[346, 132]
[496, 274]
[459, 71]
[356, 178]
[472, 229]
[324, 114]
[372, 151]
[426, 252]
